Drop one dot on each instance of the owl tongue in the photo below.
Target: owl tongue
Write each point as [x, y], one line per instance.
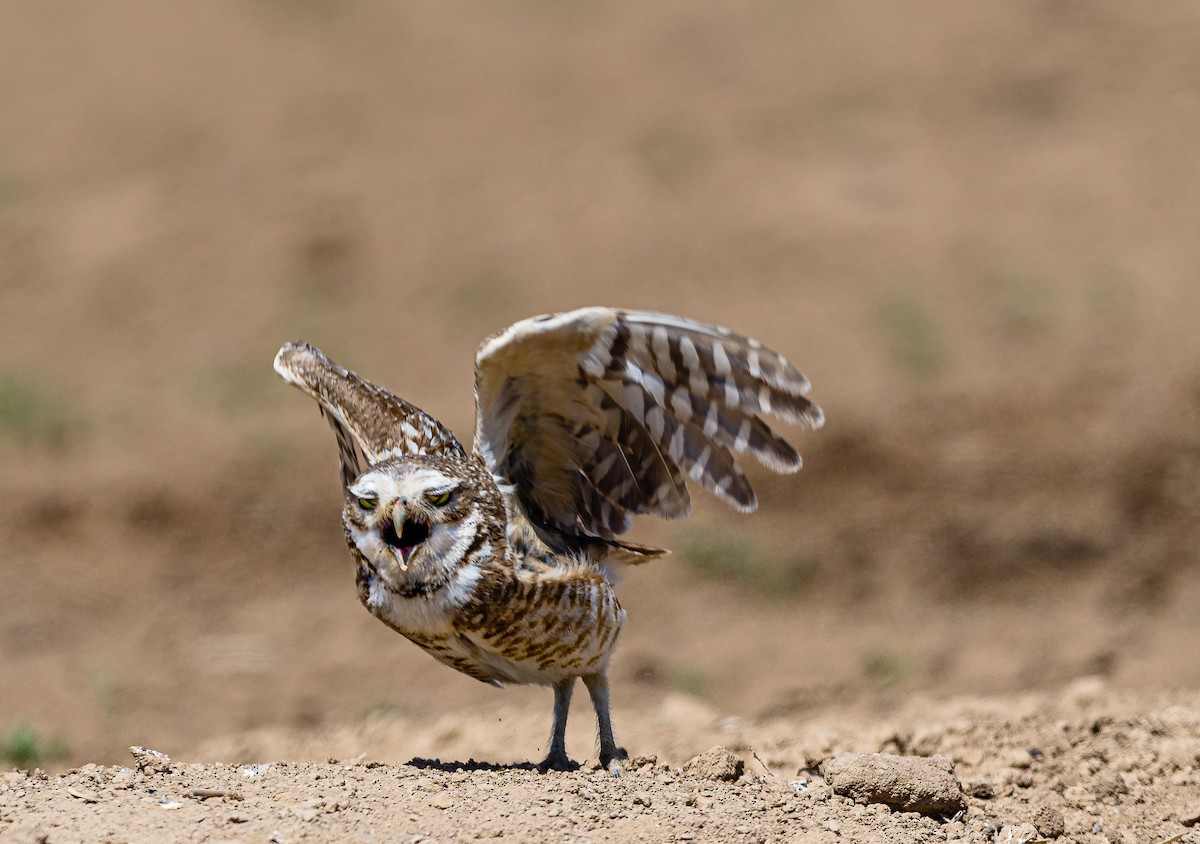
[412, 533]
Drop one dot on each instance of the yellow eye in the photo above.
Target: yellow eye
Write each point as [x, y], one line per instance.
[366, 503]
[439, 500]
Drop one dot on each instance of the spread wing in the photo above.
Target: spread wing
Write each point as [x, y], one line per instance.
[594, 416]
[371, 424]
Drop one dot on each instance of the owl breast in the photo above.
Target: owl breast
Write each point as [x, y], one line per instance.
[541, 627]
[504, 626]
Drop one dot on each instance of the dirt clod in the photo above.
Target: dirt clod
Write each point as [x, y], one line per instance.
[1049, 822]
[907, 783]
[1190, 816]
[718, 764]
[150, 761]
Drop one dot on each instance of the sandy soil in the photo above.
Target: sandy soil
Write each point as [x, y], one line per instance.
[1085, 765]
[972, 225]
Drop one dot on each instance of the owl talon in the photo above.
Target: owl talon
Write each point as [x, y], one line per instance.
[557, 762]
[611, 762]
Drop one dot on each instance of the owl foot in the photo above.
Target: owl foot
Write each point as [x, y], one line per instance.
[557, 762]
[611, 760]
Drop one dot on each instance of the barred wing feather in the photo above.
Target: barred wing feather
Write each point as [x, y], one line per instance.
[597, 415]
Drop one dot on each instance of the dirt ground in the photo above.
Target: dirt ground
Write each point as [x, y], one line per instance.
[972, 225]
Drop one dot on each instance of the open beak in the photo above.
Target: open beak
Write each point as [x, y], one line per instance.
[404, 536]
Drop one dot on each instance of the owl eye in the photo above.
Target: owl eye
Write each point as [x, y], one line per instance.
[439, 499]
[366, 503]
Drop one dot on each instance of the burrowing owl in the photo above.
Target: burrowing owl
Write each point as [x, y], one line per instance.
[500, 562]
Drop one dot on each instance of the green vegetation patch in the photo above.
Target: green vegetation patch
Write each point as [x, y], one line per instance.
[740, 562]
[22, 747]
[912, 336]
[30, 414]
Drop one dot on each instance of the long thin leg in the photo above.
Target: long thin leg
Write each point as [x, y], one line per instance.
[557, 759]
[610, 754]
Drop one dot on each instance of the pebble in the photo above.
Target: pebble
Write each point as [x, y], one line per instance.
[150, 761]
[817, 791]
[1108, 784]
[1018, 832]
[1049, 822]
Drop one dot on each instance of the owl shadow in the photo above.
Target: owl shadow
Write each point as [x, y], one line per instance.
[470, 765]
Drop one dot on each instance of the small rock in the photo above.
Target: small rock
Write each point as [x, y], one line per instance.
[150, 761]
[642, 798]
[954, 830]
[817, 791]
[1049, 822]
[1017, 832]
[251, 772]
[85, 796]
[441, 801]
[122, 779]
[1108, 784]
[1190, 816]
[169, 804]
[716, 764]
[907, 783]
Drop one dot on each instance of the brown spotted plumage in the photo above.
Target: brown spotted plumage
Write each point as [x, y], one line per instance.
[500, 563]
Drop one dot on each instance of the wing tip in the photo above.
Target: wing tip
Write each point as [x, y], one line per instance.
[295, 361]
[815, 418]
[286, 356]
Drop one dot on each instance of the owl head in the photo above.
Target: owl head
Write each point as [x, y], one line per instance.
[417, 519]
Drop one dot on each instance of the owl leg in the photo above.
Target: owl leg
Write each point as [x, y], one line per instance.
[557, 759]
[610, 754]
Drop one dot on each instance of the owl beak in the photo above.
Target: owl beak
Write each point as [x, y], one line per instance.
[403, 534]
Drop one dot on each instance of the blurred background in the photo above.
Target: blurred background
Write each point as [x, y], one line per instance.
[976, 227]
